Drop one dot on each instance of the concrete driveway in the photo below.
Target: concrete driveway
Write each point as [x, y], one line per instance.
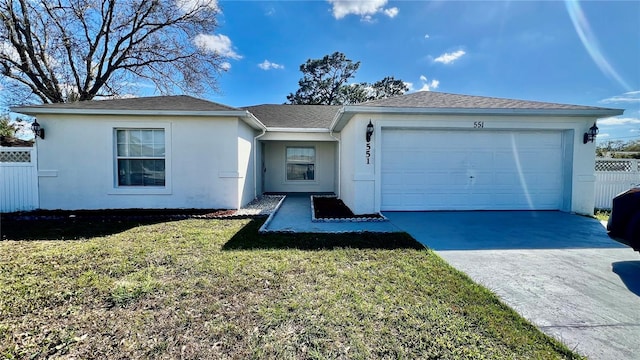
[560, 271]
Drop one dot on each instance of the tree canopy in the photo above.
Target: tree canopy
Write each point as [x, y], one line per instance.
[67, 50]
[619, 149]
[325, 82]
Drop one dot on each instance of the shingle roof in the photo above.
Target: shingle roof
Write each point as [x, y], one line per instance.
[432, 99]
[294, 116]
[161, 103]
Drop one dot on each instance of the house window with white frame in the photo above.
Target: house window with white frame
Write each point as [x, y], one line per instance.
[140, 157]
[301, 163]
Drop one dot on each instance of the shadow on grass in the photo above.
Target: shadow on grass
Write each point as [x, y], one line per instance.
[248, 238]
[68, 229]
[85, 224]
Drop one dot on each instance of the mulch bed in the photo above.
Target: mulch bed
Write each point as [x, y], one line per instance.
[333, 208]
[118, 214]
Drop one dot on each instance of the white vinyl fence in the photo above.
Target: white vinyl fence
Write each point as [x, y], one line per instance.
[18, 179]
[614, 176]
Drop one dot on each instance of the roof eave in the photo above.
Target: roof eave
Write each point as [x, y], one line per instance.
[299, 130]
[34, 110]
[348, 111]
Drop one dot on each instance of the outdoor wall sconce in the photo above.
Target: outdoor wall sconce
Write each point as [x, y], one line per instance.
[37, 131]
[369, 131]
[590, 136]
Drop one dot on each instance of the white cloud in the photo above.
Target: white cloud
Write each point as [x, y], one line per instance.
[448, 58]
[220, 44]
[392, 12]
[605, 135]
[628, 97]
[191, 5]
[363, 8]
[428, 85]
[616, 121]
[409, 85]
[268, 65]
[225, 66]
[426, 36]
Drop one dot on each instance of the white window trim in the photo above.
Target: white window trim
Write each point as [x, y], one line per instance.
[141, 190]
[315, 165]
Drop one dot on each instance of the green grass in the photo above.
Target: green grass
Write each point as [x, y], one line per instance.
[602, 215]
[199, 289]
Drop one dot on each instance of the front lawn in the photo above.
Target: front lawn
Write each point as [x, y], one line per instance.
[197, 289]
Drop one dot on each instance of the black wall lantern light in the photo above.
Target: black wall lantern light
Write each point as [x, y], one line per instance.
[590, 135]
[37, 131]
[369, 131]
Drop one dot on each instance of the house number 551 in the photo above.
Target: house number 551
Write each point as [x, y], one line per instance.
[478, 124]
[368, 152]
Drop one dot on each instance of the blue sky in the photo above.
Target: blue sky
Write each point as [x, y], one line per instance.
[585, 52]
[576, 52]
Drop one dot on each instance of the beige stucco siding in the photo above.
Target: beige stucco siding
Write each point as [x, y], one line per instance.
[361, 182]
[275, 168]
[78, 171]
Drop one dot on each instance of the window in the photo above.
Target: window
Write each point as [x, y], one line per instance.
[140, 157]
[301, 163]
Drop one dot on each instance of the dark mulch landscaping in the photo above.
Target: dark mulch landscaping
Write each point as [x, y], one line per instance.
[325, 207]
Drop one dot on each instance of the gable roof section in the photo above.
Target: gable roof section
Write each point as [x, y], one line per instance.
[159, 103]
[290, 117]
[431, 102]
[439, 100]
[179, 105]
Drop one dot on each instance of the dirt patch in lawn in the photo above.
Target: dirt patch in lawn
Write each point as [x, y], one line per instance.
[329, 207]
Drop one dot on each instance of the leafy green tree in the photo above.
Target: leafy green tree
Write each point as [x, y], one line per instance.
[325, 82]
[7, 129]
[67, 50]
[388, 87]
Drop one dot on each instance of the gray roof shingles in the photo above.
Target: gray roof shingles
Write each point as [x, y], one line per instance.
[314, 116]
[162, 103]
[439, 100]
[294, 116]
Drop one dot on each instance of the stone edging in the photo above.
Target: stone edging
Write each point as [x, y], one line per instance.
[263, 228]
[339, 220]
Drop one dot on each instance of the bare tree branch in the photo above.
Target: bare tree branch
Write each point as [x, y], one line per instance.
[65, 50]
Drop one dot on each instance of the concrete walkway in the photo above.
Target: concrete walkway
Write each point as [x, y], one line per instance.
[560, 271]
[294, 215]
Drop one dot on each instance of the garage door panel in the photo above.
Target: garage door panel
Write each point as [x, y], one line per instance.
[471, 170]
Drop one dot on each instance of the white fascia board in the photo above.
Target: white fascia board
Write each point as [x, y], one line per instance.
[298, 130]
[347, 112]
[253, 121]
[246, 116]
[69, 111]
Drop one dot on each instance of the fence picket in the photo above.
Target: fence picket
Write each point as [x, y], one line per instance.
[18, 179]
[614, 176]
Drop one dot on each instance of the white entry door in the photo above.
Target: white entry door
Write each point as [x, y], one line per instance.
[471, 170]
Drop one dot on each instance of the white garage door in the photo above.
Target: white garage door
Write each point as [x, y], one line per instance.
[471, 170]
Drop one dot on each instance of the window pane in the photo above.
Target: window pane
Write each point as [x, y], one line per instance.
[301, 163]
[123, 150]
[146, 150]
[122, 136]
[158, 137]
[306, 155]
[135, 150]
[146, 136]
[141, 172]
[158, 150]
[135, 136]
[300, 172]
